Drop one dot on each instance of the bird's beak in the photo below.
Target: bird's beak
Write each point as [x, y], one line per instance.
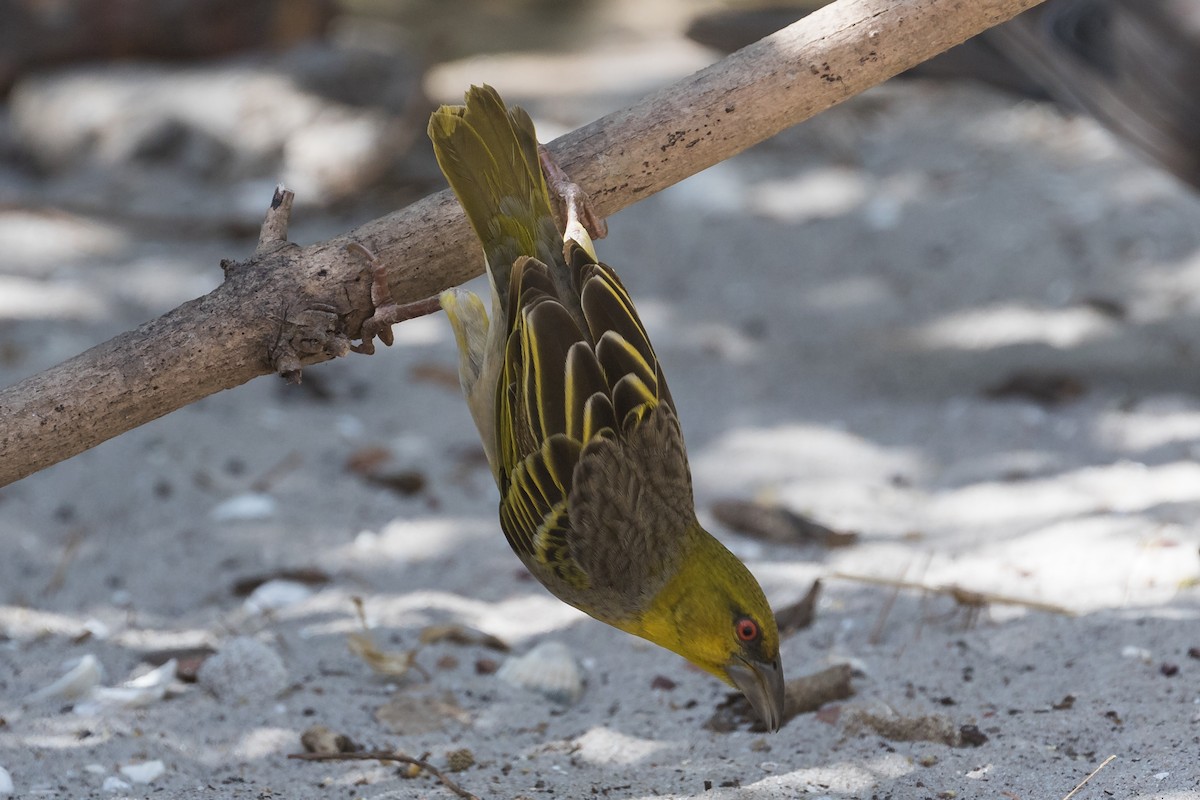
[762, 684]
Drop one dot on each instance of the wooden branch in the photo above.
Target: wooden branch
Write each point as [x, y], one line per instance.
[289, 306]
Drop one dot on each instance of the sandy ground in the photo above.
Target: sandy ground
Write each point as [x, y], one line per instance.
[831, 309]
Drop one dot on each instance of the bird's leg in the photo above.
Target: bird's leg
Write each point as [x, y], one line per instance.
[572, 205]
[387, 312]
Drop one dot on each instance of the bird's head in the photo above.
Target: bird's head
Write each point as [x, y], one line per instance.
[714, 614]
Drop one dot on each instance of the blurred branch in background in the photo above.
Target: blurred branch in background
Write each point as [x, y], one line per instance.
[1132, 64]
[289, 306]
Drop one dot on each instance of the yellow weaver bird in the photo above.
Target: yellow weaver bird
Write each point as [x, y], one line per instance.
[576, 419]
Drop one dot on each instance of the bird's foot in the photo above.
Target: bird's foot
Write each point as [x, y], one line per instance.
[571, 202]
[387, 312]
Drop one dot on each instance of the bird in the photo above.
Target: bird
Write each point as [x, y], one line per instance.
[579, 427]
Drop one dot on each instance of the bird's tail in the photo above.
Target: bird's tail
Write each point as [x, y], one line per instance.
[489, 155]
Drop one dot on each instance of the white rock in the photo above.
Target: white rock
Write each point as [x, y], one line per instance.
[349, 426]
[1140, 653]
[550, 669]
[6, 783]
[244, 669]
[276, 594]
[143, 771]
[245, 508]
[95, 628]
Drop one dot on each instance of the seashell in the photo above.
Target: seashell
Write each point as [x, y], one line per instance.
[134, 693]
[548, 669]
[77, 682]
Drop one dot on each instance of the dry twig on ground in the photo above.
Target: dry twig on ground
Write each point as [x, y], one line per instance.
[970, 599]
[1091, 775]
[389, 755]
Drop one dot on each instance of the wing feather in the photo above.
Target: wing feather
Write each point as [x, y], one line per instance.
[582, 398]
[584, 380]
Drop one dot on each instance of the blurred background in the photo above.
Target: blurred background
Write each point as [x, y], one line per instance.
[957, 316]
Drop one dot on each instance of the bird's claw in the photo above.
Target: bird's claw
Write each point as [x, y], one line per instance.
[572, 204]
[386, 311]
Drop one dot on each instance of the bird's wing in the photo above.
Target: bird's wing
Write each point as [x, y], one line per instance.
[594, 477]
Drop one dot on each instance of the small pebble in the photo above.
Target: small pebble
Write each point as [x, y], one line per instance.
[114, 784]
[245, 508]
[349, 426]
[321, 739]
[458, 760]
[971, 736]
[486, 666]
[1140, 653]
[662, 683]
[95, 628]
[1194, 652]
[143, 771]
[276, 594]
[244, 669]
[6, 783]
[1169, 670]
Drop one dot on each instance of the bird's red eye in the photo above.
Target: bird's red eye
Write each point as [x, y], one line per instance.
[747, 629]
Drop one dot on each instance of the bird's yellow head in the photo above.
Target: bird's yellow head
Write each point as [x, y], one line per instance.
[714, 614]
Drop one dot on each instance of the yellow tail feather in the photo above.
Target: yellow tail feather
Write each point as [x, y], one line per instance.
[489, 155]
